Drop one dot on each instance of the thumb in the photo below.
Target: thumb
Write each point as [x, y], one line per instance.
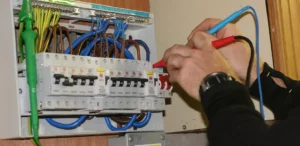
[201, 40]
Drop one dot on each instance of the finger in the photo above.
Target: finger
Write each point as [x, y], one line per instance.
[201, 40]
[211, 22]
[205, 25]
[177, 49]
[175, 63]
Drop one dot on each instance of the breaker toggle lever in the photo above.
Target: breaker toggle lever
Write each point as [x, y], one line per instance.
[67, 82]
[58, 77]
[165, 83]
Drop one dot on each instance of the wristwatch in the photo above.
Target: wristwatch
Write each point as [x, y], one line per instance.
[214, 79]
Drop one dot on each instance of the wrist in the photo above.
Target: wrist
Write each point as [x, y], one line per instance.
[214, 79]
[254, 74]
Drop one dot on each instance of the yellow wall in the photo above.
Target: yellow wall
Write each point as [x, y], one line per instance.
[174, 19]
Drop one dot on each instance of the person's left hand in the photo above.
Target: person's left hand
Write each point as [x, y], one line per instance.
[188, 67]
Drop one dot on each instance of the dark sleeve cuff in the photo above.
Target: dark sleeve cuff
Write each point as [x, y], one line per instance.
[266, 75]
[230, 93]
[274, 96]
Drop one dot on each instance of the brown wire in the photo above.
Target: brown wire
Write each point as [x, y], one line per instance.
[66, 30]
[47, 37]
[98, 52]
[122, 55]
[61, 38]
[137, 46]
[115, 49]
[95, 42]
[54, 39]
[106, 47]
[77, 50]
[123, 119]
[101, 52]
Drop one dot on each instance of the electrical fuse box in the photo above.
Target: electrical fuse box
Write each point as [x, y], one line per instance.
[76, 85]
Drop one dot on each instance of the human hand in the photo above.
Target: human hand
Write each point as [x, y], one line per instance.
[237, 54]
[188, 67]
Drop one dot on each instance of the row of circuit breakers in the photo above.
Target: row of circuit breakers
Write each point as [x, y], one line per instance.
[70, 82]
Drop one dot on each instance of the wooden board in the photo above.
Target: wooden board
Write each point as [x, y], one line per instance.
[285, 34]
[141, 5]
[72, 141]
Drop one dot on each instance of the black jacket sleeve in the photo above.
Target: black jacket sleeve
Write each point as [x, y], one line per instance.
[233, 120]
[278, 99]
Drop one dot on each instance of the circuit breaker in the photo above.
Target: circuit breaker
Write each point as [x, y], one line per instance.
[89, 78]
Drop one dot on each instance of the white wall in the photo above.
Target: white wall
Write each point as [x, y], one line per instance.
[175, 19]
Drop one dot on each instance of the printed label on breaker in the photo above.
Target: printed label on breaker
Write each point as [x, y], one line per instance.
[63, 2]
[150, 145]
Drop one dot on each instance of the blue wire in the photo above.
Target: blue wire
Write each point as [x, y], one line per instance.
[92, 26]
[121, 31]
[87, 35]
[88, 49]
[120, 28]
[227, 20]
[73, 125]
[130, 123]
[142, 43]
[112, 128]
[144, 122]
[258, 62]
[230, 19]
[81, 119]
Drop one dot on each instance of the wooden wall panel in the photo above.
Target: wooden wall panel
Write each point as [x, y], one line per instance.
[285, 35]
[141, 5]
[73, 141]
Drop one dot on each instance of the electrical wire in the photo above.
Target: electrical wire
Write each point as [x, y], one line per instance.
[248, 76]
[69, 126]
[144, 122]
[131, 42]
[30, 132]
[229, 19]
[126, 127]
[120, 28]
[144, 45]
[131, 123]
[258, 62]
[124, 119]
[104, 26]
[88, 49]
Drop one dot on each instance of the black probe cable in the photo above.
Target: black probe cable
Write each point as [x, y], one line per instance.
[248, 76]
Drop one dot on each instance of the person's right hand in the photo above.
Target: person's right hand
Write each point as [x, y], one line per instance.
[236, 54]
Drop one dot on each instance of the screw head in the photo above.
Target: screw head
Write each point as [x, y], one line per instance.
[162, 137]
[41, 105]
[130, 139]
[20, 91]
[183, 127]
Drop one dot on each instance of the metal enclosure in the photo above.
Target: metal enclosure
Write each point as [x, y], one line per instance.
[14, 99]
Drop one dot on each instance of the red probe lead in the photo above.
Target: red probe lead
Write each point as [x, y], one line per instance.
[223, 42]
[216, 44]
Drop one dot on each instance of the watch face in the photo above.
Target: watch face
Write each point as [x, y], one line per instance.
[214, 79]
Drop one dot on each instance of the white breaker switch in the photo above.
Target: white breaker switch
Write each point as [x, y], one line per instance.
[70, 82]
